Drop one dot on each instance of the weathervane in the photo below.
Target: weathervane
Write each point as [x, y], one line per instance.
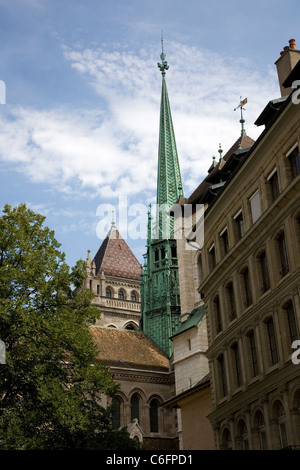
[164, 64]
[242, 120]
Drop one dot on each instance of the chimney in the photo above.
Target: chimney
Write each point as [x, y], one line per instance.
[285, 64]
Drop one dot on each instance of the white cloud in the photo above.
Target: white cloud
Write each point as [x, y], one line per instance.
[113, 150]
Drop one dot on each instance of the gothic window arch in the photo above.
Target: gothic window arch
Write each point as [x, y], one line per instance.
[135, 407]
[154, 415]
[133, 296]
[131, 326]
[108, 292]
[121, 294]
[116, 416]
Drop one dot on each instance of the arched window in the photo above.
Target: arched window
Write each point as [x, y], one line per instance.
[154, 405]
[133, 296]
[217, 315]
[131, 327]
[280, 419]
[121, 294]
[261, 428]
[243, 435]
[116, 416]
[135, 407]
[107, 292]
[226, 440]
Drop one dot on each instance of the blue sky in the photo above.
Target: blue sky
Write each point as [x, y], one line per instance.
[79, 130]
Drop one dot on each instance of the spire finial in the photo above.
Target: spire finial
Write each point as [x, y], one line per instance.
[220, 152]
[164, 64]
[242, 120]
[113, 218]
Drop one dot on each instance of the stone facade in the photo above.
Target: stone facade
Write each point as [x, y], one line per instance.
[251, 290]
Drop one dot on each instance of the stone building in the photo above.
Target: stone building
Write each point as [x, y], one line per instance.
[249, 277]
[114, 278]
[137, 365]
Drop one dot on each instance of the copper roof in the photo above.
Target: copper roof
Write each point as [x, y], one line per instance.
[128, 349]
[115, 258]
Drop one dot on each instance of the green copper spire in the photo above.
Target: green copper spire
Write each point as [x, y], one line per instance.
[160, 302]
[169, 183]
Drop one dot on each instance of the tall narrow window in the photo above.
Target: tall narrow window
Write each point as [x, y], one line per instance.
[224, 241]
[238, 376]
[116, 416]
[239, 225]
[264, 271]
[291, 321]
[121, 294]
[226, 440]
[283, 254]
[135, 407]
[222, 372]
[247, 287]
[133, 297]
[212, 257]
[107, 292]
[255, 206]
[154, 405]
[200, 268]
[294, 159]
[231, 301]
[254, 361]
[217, 312]
[274, 185]
[243, 435]
[272, 341]
[261, 427]
[281, 420]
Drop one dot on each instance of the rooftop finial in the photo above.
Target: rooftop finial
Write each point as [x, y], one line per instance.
[113, 218]
[220, 152]
[164, 64]
[242, 120]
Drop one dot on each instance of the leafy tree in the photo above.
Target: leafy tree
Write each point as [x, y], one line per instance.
[50, 385]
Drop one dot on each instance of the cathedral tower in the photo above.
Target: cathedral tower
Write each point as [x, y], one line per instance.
[160, 303]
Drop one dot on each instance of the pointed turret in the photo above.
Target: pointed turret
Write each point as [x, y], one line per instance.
[160, 304]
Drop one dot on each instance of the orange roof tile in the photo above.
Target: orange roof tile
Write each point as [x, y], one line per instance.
[115, 257]
[128, 349]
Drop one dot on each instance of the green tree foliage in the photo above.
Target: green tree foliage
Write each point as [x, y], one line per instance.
[50, 384]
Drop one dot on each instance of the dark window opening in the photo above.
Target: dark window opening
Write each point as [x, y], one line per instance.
[272, 341]
[283, 255]
[154, 406]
